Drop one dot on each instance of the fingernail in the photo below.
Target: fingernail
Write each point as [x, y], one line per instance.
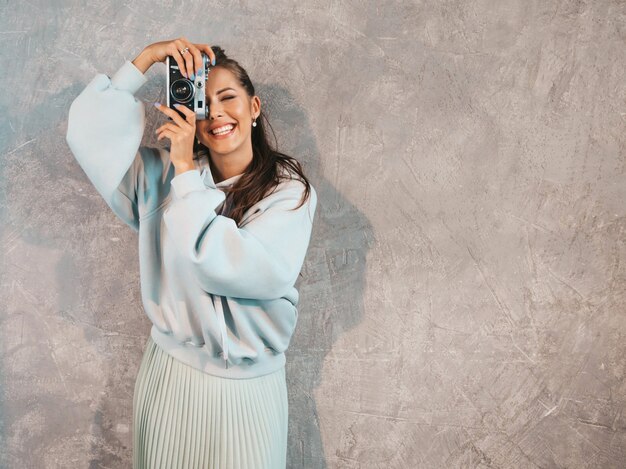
[157, 104]
[213, 60]
[193, 76]
[198, 72]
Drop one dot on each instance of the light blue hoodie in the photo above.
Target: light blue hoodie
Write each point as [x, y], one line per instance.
[221, 298]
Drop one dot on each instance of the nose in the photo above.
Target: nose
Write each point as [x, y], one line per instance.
[214, 111]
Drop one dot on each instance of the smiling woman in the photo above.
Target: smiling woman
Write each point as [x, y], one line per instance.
[220, 252]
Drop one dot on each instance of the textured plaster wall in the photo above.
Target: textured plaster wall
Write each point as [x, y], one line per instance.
[463, 299]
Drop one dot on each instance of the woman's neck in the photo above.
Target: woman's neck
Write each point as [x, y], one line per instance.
[221, 172]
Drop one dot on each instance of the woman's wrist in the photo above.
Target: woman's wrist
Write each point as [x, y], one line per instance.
[143, 61]
[183, 168]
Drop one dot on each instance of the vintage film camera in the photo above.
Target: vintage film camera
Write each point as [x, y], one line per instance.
[186, 92]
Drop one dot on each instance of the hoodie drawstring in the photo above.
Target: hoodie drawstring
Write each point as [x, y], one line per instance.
[222, 324]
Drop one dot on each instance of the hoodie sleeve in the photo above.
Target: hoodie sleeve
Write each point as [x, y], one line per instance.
[105, 127]
[260, 260]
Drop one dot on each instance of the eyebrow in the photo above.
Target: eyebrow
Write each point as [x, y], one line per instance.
[219, 91]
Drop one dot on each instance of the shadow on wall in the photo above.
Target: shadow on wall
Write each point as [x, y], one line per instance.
[68, 317]
[332, 285]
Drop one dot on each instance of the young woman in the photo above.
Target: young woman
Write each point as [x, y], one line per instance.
[224, 222]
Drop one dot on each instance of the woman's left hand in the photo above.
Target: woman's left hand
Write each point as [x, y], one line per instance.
[181, 133]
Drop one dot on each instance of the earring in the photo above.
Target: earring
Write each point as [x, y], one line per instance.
[254, 122]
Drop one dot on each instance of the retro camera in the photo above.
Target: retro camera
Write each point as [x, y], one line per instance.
[187, 92]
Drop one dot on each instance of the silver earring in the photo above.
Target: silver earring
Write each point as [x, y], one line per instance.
[254, 122]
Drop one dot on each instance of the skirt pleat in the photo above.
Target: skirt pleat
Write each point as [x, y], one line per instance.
[186, 419]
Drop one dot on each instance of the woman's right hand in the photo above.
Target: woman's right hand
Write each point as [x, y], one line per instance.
[188, 63]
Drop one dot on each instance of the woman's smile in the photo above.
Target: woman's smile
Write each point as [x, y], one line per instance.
[223, 131]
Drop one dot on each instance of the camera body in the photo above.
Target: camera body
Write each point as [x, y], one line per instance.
[187, 92]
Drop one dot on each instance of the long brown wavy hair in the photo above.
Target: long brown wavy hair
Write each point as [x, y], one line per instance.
[263, 173]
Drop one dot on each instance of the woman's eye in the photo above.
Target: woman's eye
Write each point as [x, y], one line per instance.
[228, 97]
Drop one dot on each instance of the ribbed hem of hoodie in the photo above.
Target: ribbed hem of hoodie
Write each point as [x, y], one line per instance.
[129, 78]
[201, 359]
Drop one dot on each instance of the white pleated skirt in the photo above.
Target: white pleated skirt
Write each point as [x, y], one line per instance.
[185, 419]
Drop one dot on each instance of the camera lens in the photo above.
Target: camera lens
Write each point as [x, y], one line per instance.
[182, 90]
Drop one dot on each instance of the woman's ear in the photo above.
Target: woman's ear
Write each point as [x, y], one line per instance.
[256, 106]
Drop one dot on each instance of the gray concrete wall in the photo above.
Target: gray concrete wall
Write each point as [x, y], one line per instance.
[463, 300]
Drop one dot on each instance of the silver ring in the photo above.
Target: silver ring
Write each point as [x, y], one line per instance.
[182, 51]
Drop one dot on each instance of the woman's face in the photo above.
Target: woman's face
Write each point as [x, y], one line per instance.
[228, 104]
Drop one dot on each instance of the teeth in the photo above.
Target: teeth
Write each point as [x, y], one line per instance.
[223, 130]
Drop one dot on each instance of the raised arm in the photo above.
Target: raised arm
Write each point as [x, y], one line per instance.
[104, 131]
[262, 259]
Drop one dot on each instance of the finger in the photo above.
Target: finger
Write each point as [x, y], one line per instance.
[187, 57]
[197, 58]
[168, 126]
[173, 114]
[190, 116]
[165, 134]
[207, 48]
[175, 52]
